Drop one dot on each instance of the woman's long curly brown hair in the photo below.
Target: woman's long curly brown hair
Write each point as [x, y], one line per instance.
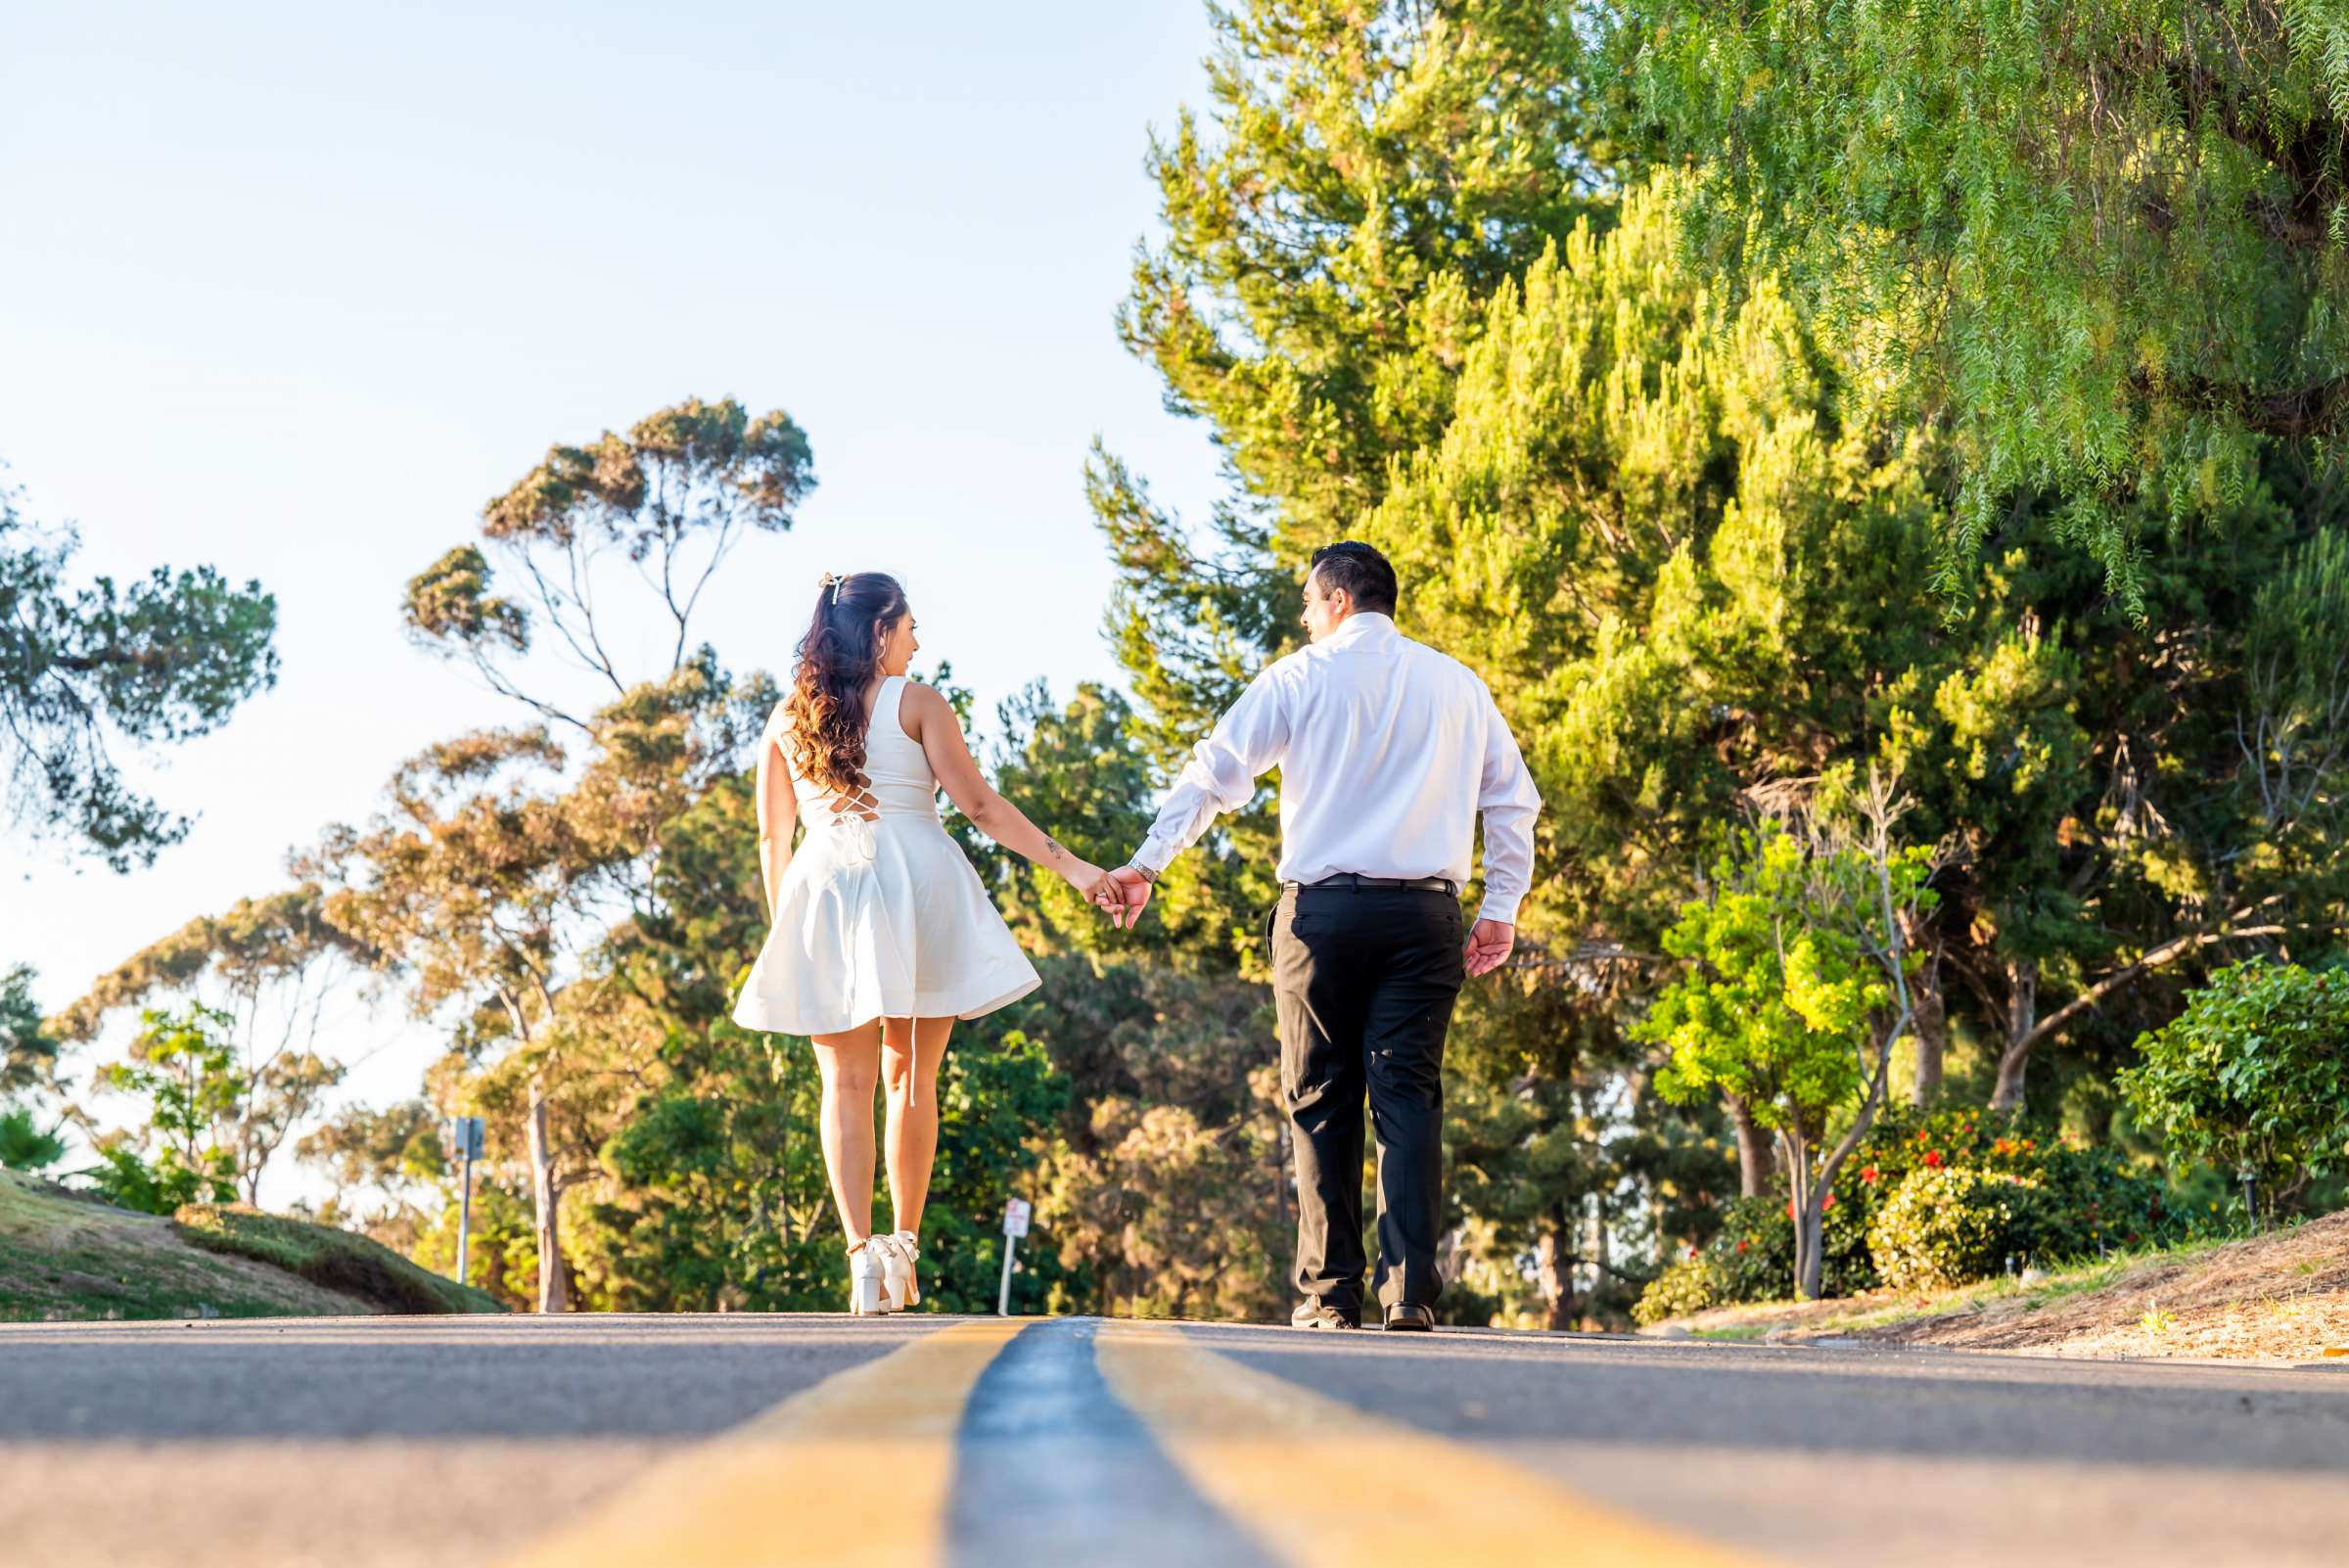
[838, 660]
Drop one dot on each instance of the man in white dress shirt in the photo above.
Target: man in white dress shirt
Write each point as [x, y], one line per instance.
[1388, 752]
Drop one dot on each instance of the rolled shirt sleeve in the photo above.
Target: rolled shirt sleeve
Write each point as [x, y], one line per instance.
[1221, 771]
[1506, 797]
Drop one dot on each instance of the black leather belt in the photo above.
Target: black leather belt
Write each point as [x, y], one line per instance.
[1347, 879]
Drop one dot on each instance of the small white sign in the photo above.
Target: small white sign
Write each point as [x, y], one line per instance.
[1015, 1217]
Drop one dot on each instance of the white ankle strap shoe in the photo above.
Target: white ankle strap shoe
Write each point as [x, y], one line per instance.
[868, 1279]
[898, 1255]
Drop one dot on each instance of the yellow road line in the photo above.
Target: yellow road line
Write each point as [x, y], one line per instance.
[1320, 1482]
[855, 1469]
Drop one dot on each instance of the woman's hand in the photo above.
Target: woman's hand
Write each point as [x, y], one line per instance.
[1082, 875]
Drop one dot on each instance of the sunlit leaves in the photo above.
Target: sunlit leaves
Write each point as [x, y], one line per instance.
[2100, 235]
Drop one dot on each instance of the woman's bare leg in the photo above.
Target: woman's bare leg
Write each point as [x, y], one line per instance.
[851, 1064]
[913, 1132]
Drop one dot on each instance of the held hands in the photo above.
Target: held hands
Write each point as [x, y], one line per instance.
[1122, 895]
[1489, 947]
[1085, 877]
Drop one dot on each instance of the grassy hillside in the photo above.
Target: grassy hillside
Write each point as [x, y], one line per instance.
[2283, 1296]
[331, 1259]
[68, 1257]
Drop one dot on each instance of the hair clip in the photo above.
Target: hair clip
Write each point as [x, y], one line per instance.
[833, 581]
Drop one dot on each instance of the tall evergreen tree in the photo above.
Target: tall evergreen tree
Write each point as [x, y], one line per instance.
[2102, 247]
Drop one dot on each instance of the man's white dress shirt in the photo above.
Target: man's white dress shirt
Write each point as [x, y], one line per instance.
[1387, 751]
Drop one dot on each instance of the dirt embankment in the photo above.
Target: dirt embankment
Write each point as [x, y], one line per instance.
[2279, 1297]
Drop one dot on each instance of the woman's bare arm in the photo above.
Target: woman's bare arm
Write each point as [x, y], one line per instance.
[930, 720]
[778, 816]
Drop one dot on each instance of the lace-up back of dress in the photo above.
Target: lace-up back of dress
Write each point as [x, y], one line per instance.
[898, 780]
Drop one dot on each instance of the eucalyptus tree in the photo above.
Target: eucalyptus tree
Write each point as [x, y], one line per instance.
[499, 874]
[464, 881]
[163, 658]
[671, 498]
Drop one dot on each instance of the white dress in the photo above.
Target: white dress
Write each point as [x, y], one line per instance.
[879, 915]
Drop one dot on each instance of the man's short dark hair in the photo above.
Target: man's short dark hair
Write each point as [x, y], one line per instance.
[1360, 571]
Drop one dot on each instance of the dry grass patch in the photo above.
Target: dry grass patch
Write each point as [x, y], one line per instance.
[2279, 1297]
[2283, 1296]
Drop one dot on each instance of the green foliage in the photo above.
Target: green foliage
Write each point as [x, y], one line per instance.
[2253, 1076]
[1776, 1004]
[993, 1098]
[164, 660]
[27, 1145]
[183, 1065]
[324, 1256]
[2104, 246]
[2067, 1200]
[1686, 1288]
[1950, 1227]
[28, 1047]
[1751, 1257]
[501, 1254]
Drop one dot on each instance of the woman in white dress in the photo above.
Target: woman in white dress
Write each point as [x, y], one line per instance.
[880, 934]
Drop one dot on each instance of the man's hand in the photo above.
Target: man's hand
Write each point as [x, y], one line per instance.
[1122, 894]
[1489, 947]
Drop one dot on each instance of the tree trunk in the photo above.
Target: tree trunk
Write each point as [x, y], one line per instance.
[1598, 1249]
[2022, 1018]
[554, 1275]
[1810, 1263]
[1932, 1031]
[1755, 1167]
[1554, 1268]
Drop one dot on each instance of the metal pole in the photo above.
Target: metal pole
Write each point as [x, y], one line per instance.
[1011, 1244]
[465, 1211]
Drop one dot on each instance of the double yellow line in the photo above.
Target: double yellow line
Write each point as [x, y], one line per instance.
[859, 1467]
[855, 1469]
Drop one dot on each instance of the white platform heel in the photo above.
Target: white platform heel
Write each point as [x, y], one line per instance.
[868, 1279]
[897, 1258]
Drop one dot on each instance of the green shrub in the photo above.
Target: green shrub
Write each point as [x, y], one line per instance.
[1690, 1286]
[1944, 1226]
[2090, 1201]
[2253, 1076]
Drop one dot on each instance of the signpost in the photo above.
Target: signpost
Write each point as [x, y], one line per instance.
[1015, 1226]
[464, 1140]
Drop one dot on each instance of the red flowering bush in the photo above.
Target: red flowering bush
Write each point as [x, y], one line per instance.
[2080, 1201]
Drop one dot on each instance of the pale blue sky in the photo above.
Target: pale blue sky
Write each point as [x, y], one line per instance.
[293, 290]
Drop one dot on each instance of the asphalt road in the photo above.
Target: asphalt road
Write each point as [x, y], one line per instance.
[801, 1440]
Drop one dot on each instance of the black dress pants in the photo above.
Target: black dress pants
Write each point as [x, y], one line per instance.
[1365, 980]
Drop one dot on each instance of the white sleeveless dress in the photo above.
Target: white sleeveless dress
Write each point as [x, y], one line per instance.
[879, 916]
